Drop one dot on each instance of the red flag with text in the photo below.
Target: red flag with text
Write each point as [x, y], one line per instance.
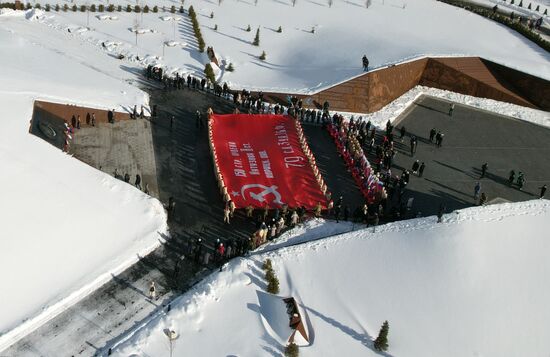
[262, 161]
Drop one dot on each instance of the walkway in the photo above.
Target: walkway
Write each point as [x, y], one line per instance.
[472, 137]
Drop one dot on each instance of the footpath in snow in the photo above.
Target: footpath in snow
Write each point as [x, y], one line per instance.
[66, 227]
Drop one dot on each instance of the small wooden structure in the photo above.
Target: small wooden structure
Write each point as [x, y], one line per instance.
[295, 320]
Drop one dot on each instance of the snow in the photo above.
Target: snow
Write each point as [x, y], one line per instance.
[466, 287]
[394, 109]
[297, 60]
[66, 227]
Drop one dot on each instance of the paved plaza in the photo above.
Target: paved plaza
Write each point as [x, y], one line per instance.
[472, 137]
[174, 156]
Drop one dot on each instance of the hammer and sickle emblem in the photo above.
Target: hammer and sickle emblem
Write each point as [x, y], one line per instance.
[260, 196]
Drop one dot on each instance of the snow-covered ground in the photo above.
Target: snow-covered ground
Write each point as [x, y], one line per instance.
[65, 227]
[474, 285]
[299, 61]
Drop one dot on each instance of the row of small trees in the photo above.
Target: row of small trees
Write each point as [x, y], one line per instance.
[100, 8]
[196, 28]
[537, 9]
[505, 20]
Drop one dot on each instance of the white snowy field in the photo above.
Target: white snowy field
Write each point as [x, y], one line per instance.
[299, 61]
[474, 285]
[65, 227]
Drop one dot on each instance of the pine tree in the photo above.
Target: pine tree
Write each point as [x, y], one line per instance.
[263, 56]
[137, 8]
[209, 73]
[56, 7]
[92, 8]
[272, 282]
[512, 2]
[248, 29]
[291, 350]
[146, 9]
[155, 8]
[529, 7]
[82, 8]
[212, 15]
[230, 68]
[538, 8]
[129, 8]
[521, 3]
[256, 41]
[216, 27]
[73, 8]
[280, 29]
[545, 11]
[47, 7]
[65, 7]
[101, 8]
[119, 8]
[381, 342]
[182, 10]
[267, 265]
[173, 9]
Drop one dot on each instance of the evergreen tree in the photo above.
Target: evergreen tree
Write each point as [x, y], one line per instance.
[538, 8]
[82, 8]
[129, 8]
[280, 29]
[182, 10]
[263, 56]
[119, 8]
[101, 8]
[65, 7]
[529, 6]
[212, 15]
[155, 8]
[173, 9]
[512, 2]
[267, 265]
[92, 8]
[47, 7]
[137, 8]
[216, 27]
[209, 73]
[146, 9]
[272, 282]
[381, 342]
[545, 11]
[230, 68]
[521, 3]
[56, 7]
[256, 41]
[248, 29]
[291, 350]
[74, 8]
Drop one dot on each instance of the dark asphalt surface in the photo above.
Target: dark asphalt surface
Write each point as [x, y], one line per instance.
[472, 137]
[185, 172]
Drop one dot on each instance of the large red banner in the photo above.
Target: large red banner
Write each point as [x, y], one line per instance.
[262, 161]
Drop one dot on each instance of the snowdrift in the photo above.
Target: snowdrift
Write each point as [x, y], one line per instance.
[467, 286]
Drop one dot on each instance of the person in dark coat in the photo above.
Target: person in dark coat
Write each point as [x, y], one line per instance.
[138, 181]
[415, 166]
[432, 134]
[440, 213]
[542, 191]
[421, 169]
[484, 169]
[511, 178]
